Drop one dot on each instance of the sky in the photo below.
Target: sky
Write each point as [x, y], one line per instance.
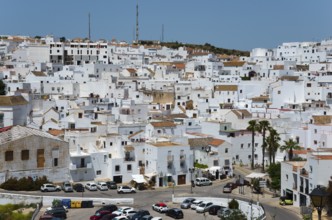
[232, 24]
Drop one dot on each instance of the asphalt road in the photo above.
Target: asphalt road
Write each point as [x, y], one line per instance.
[144, 200]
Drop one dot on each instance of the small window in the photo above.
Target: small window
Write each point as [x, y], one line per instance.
[242, 146]
[279, 92]
[80, 115]
[98, 172]
[9, 156]
[55, 162]
[117, 168]
[111, 143]
[226, 150]
[129, 167]
[25, 155]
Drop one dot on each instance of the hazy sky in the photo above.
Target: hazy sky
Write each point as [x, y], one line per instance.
[236, 24]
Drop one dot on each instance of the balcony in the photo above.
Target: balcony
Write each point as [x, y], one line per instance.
[127, 159]
[74, 166]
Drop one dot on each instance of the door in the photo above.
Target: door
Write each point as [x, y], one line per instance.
[181, 179]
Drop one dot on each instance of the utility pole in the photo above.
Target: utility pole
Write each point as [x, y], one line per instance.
[137, 30]
[89, 29]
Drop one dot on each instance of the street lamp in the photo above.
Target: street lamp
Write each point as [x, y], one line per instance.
[191, 170]
[318, 198]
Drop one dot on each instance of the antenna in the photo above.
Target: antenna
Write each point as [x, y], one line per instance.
[137, 33]
[89, 28]
[162, 33]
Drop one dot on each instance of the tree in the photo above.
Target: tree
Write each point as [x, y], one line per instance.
[263, 127]
[253, 127]
[289, 146]
[2, 88]
[233, 204]
[274, 172]
[272, 143]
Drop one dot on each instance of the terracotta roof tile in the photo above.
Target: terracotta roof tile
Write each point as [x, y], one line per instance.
[12, 100]
[216, 142]
[163, 124]
[225, 88]
[234, 63]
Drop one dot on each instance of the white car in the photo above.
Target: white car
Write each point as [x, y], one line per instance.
[51, 208]
[160, 207]
[195, 203]
[91, 186]
[48, 187]
[203, 207]
[121, 217]
[122, 210]
[102, 186]
[126, 189]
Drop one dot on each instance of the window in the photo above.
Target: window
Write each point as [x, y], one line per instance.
[226, 150]
[25, 155]
[111, 143]
[128, 167]
[249, 156]
[40, 158]
[279, 92]
[237, 157]
[241, 146]
[80, 115]
[248, 145]
[117, 168]
[98, 172]
[105, 158]
[315, 141]
[55, 162]
[189, 124]
[9, 156]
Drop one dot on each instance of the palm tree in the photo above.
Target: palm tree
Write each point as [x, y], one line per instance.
[272, 142]
[253, 127]
[289, 146]
[263, 127]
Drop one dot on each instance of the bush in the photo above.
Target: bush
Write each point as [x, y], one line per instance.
[24, 184]
[233, 204]
[201, 166]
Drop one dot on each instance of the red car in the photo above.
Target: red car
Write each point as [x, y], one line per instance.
[100, 214]
[160, 207]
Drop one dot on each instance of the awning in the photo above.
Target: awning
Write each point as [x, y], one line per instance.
[256, 175]
[138, 178]
[150, 175]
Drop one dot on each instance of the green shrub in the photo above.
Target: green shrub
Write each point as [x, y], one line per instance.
[201, 166]
[24, 184]
[233, 204]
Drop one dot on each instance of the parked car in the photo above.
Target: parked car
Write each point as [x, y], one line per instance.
[121, 210]
[91, 186]
[110, 216]
[174, 213]
[213, 210]
[58, 213]
[160, 207]
[67, 187]
[78, 187]
[48, 187]
[102, 186]
[187, 203]
[195, 203]
[202, 181]
[285, 201]
[99, 214]
[63, 208]
[229, 187]
[47, 217]
[111, 185]
[203, 207]
[121, 217]
[129, 213]
[146, 217]
[110, 208]
[139, 214]
[126, 189]
[224, 212]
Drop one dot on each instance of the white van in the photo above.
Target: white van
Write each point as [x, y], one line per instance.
[202, 181]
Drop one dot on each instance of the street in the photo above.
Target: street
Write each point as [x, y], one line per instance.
[144, 200]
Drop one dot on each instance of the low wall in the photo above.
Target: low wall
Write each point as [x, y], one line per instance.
[250, 210]
[6, 198]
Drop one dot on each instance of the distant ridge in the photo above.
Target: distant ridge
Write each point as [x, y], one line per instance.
[206, 47]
